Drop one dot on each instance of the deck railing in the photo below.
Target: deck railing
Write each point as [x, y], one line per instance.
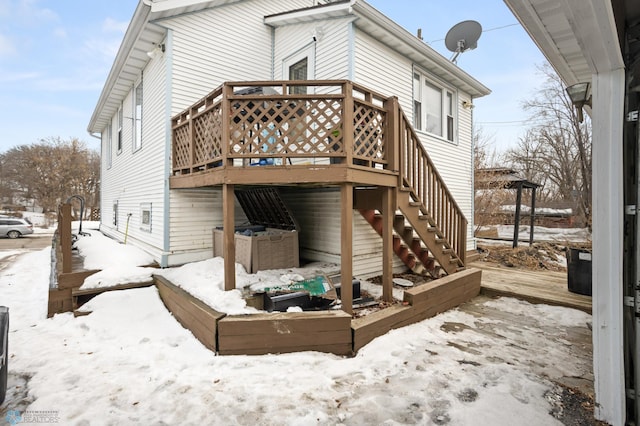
[281, 123]
[337, 122]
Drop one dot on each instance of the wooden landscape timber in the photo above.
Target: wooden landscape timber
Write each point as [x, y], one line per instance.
[420, 303]
[60, 301]
[69, 270]
[193, 314]
[323, 331]
[331, 331]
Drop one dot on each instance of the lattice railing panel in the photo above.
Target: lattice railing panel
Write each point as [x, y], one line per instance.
[369, 137]
[207, 134]
[287, 127]
[265, 120]
[181, 147]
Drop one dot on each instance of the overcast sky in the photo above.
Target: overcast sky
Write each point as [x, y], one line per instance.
[55, 56]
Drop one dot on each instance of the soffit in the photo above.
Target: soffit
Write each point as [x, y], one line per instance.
[578, 37]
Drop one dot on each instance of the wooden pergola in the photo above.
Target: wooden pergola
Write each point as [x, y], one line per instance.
[504, 178]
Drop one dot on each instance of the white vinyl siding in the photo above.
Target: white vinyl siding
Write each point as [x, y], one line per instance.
[227, 43]
[194, 213]
[455, 165]
[382, 69]
[133, 178]
[330, 48]
[232, 43]
[317, 212]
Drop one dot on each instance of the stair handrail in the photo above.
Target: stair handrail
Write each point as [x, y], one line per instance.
[426, 186]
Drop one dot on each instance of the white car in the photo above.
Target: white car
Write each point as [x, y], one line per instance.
[14, 227]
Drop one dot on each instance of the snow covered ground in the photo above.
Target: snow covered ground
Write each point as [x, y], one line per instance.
[130, 362]
[540, 234]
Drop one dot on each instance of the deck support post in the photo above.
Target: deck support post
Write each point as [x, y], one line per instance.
[65, 237]
[532, 218]
[346, 247]
[388, 212]
[347, 123]
[228, 239]
[516, 225]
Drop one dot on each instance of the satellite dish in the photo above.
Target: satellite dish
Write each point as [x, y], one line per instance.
[461, 37]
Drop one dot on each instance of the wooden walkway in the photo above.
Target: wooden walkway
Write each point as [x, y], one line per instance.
[533, 286]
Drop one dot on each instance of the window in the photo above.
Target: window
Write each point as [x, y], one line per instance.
[137, 117]
[109, 145]
[115, 214]
[298, 71]
[417, 102]
[119, 150]
[300, 65]
[145, 216]
[433, 108]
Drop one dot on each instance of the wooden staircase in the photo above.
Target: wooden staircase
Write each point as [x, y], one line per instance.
[419, 244]
[421, 230]
[409, 250]
[429, 227]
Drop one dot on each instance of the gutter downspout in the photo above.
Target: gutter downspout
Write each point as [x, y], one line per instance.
[166, 240]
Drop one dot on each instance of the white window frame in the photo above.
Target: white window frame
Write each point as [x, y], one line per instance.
[114, 218]
[137, 115]
[109, 143]
[448, 129]
[120, 120]
[145, 216]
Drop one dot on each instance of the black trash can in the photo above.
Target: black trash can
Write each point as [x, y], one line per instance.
[579, 271]
[4, 351]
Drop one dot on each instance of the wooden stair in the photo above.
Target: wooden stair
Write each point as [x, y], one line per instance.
[430, 232]
[416, 242]
[422, 224]
[417, 261]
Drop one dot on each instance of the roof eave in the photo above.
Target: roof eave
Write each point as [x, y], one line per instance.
[342, 8]
[366, 11]
[139, 20]
[588, 24]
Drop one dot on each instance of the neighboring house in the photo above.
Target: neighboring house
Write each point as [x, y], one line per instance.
[597, 42]
[165, 182]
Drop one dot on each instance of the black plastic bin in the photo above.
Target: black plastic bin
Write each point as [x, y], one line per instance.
[4, 351]
[579, 271]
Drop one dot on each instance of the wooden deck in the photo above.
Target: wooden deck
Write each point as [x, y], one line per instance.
[533, 286]
[336, 133]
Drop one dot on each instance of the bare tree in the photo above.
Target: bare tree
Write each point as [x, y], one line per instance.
[52, 170]
[556, 151]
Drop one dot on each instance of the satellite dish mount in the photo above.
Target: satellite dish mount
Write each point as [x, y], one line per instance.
[462, 37]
